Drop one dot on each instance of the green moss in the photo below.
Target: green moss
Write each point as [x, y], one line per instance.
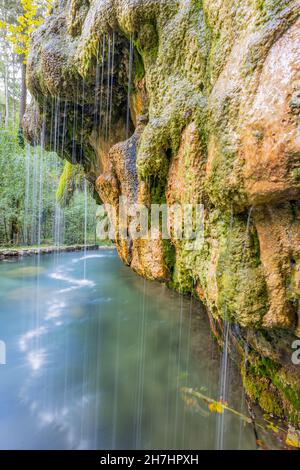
[242, 292]
[182, 278]
[271, 7]
[263, 367]
[157, 190]
[258, 385]
[270, 403]
[266, 335]
[67, 183]
[138, 67]
[291, 394]
[223, 189]
[153, 162]
[147, 41]
[296, 174]
[260, 5]
[266, 383]
[78, 10]
[169, 256]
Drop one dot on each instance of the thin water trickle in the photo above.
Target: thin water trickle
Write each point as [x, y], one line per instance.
[140, 371]
[102, 82]
[245, 245]
[64, 127]
[129, 85]
[224, 372]
[97, 89]
[27, 194]
[82, 122]
[85, 225]
[243, 400]
[58, 224]
[116, 385]
[40, 200]
[51, 127]
[224, 380]
[75, 126]
[34, 200]
[108, 88]
[56, 124]
[111, 85]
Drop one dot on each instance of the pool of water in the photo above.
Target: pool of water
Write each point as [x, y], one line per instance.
[98, 358]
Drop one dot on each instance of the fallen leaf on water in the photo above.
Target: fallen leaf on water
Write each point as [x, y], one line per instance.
[259, 443]
[293, 438]
[190, 402]
[216, 407]
[273, 428]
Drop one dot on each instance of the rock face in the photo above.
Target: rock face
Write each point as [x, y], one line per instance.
[214, 116]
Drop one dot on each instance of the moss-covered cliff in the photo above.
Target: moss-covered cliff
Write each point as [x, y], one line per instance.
[214, 119]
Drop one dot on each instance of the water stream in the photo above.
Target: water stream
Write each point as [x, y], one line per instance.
[98, 357]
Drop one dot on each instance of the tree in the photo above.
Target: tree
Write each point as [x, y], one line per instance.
[18, 34]
[9, 65]
[28, 186]
[8, 11]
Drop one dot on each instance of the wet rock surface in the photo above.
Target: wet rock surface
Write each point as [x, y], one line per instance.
[213, 118]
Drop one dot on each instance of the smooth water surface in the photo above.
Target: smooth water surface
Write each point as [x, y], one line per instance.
[97, 358]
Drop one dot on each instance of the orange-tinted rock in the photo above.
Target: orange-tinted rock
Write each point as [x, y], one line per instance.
[270, 138]
[148, 259]
[279, 237]
[187, 169]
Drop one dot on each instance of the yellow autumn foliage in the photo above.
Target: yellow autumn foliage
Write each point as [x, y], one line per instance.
[19, 34]
[216, 407]
[293, 438]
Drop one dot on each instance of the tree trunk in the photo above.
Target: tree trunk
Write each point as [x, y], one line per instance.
[14, 232]
[5, 230]
[6, 96]
[13, 87]
[6, 71]
[23, 95]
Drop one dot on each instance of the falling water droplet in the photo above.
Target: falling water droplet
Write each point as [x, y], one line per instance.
[129, 85]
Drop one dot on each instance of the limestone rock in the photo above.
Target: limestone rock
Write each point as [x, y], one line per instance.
[190, 101]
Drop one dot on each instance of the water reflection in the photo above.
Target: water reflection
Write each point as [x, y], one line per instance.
[36, 359]
[27, 337]
[98, 359]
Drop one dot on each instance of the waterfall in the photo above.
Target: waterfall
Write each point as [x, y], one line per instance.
[102, 83]
[129, 85]
[41, 187]
[108, 88]
[27, 194]
[246, 235]
[111, 85]
[85, 225]
[97, 91]
[58, 225]
[82, 122]
[34, 206]
[224, 379]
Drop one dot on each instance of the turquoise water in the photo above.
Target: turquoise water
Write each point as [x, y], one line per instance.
[97, 358]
